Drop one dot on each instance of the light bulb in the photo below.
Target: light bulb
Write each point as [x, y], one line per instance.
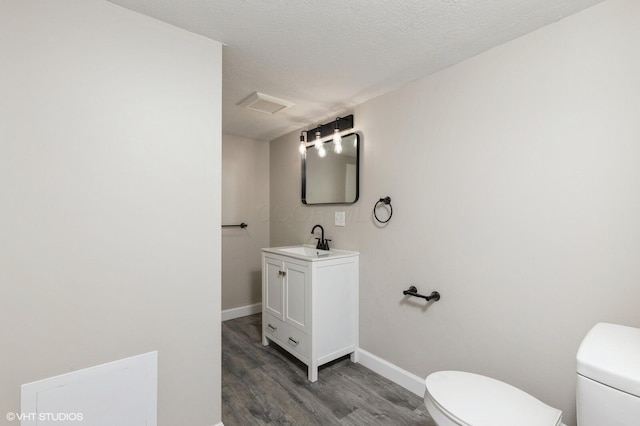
[318, 140]
[337, 138]
[337, 148]
[322, 152]
[303, 147]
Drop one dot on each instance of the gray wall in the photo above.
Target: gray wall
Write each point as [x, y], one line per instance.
[109, 200]
[514, 178]
[245, 198]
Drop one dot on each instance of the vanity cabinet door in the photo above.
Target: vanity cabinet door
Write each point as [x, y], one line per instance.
[297, 296]
[274, 288]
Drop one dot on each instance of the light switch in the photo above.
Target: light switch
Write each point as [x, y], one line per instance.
[340, 219]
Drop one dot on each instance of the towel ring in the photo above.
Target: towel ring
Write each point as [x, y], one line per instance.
[385, 201]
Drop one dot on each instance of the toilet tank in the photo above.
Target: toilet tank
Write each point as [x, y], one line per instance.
[608, 386]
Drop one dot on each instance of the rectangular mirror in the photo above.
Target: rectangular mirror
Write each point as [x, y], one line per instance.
[334, 178]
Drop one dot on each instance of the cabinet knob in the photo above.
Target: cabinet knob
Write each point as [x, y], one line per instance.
[282, 273]
[292, 340]
[272, 328]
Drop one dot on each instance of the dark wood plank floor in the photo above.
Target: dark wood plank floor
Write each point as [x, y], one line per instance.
[264, 385]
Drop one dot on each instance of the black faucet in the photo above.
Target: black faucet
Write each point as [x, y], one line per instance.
[322, 243]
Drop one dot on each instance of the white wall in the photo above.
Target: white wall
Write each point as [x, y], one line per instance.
[109, 200]
[514, 179]
[245, 198]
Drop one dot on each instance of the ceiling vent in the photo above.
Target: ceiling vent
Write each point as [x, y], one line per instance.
[265, 103]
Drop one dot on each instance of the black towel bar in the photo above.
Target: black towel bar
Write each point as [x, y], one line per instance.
[413, 291]
[242, 225]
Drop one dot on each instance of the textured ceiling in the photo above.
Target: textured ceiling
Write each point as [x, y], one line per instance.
[328, 56]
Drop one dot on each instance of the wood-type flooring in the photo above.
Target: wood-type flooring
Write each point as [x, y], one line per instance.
[264, 385]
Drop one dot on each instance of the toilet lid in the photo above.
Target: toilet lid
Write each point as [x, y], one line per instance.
[475, 400]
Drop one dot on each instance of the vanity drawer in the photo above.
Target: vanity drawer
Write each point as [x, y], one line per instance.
[287, 336]
[295, 341]
[273, 327]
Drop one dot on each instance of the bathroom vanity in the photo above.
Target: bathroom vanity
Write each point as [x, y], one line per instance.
[310, 303]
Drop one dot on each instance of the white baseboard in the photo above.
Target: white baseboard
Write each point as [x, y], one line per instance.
[407, 380]
[242, 311]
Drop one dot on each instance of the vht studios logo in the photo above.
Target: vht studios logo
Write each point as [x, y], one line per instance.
[46, 417]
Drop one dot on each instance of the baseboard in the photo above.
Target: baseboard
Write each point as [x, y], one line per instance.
[409, 381]
[242, 311]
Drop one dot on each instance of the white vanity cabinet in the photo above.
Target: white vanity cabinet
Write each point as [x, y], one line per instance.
[310, 304]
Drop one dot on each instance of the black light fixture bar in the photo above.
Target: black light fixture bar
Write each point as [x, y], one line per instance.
[344, 123]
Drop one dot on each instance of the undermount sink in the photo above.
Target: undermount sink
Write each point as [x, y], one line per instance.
[308, 252]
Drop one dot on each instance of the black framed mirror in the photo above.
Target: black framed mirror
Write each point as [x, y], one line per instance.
[335, 177]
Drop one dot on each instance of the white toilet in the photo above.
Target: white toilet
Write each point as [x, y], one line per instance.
[607, 393]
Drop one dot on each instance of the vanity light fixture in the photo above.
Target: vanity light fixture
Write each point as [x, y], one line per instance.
[333, 129]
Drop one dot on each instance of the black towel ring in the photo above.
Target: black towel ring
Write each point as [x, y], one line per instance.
[386, 201]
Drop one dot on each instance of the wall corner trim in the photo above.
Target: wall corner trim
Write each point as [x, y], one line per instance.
[407, 380]
[242, 311]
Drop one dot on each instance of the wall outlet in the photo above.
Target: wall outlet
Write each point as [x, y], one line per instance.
[340, 219]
